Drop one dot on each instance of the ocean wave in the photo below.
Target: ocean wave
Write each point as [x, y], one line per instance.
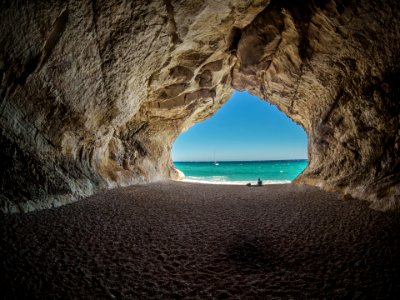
[230, 182]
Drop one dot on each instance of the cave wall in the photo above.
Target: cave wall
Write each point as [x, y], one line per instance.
[93, 93]
[333, 67]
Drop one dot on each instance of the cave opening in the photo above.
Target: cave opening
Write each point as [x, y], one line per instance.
[80, 118]
[246, 139]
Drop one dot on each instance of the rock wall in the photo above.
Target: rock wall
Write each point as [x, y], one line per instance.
[333, 67]
[93, 93]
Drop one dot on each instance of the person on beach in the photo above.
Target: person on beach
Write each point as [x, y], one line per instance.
[259, 182]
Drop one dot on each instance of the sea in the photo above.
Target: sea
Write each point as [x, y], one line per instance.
[242, 172]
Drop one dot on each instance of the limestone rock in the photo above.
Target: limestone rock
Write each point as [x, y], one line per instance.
[333, 67]
[93, 94]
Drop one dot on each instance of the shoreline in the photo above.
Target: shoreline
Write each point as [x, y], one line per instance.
[240, 172]
[232, 182]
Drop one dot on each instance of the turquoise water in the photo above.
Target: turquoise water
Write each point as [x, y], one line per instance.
[240, 172]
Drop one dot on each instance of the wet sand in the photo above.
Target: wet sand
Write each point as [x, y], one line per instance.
[180, 240]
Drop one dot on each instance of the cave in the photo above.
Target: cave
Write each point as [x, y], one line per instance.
[92, 96]
[78, 118]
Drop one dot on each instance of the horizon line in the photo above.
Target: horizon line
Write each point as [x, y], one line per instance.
[257, 160]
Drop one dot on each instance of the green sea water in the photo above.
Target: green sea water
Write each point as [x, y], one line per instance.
[241, 172]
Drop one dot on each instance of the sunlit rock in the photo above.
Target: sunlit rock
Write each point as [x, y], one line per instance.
[93, 94]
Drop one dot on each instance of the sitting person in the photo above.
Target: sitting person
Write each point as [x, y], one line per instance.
[259, 182]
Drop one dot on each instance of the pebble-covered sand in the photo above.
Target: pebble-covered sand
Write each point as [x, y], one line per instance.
[175, 240]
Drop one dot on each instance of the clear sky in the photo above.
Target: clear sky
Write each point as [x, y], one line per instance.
[244, 128]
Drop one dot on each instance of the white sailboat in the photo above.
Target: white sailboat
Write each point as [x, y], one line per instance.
[215, 162]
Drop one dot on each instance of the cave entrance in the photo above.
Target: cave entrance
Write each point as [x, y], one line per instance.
[246, 139]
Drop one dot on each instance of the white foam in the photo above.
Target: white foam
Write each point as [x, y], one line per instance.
[225, 181]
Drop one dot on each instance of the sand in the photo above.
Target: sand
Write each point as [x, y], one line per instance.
[174, 240]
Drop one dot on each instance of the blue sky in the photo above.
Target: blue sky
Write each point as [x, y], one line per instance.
[244, 128]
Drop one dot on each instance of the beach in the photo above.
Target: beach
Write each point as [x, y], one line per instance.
[179, 240]
[241, 172]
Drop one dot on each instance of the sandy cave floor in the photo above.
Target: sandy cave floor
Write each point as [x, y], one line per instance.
[173, 240]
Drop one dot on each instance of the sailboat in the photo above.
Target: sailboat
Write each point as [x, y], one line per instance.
[215, 162]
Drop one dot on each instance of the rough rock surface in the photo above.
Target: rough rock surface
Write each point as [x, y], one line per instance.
[93, 93]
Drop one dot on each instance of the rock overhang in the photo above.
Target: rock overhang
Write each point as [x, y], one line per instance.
[93, 95]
